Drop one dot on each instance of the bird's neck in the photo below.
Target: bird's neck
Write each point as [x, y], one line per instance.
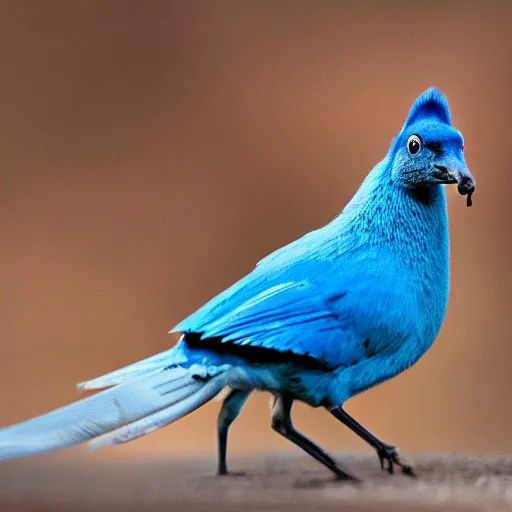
[413, 221]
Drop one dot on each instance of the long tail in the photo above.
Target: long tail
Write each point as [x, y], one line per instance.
[144, 367]
[142, 405]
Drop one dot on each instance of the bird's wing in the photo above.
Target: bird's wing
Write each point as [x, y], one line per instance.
[301, 260]
[312, 299]
[295, 316]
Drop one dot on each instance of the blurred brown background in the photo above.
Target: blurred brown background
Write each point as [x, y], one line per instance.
[152, 152]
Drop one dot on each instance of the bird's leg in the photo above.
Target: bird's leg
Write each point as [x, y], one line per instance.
[282, 423]
[385, 452]
[228, 413]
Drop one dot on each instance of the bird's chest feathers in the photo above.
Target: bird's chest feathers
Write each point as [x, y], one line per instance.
[403, 238]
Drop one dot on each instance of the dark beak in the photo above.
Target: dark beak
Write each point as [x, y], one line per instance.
[461, 175]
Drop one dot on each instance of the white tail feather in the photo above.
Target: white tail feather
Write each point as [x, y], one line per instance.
[161, 418]
[98, 414]
[146, 366]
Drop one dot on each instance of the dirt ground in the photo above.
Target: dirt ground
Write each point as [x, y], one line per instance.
[277, 483]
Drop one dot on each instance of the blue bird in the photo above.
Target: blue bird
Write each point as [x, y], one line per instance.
[339, 310]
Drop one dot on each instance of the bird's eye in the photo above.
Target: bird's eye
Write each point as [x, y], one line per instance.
[414, 144]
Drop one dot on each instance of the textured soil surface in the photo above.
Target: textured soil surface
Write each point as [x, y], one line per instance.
[270, 483]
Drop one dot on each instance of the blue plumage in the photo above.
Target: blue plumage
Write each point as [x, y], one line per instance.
[334, 313]
[371, 284]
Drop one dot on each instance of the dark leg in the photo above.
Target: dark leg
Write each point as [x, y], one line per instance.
[282, 423]
[229, 412]
[384, 451]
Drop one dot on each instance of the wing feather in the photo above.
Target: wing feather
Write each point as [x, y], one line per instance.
[292, 316]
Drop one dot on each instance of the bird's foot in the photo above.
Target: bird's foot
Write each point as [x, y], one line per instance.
[388, 457]
[343, 475]
[346, 477]
[225, 472]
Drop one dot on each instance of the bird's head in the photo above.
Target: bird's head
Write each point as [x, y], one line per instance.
[429, 150]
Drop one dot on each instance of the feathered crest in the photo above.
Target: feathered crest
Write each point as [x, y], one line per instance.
[432, 103]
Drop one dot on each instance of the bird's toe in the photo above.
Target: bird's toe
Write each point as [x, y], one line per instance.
[389, 457]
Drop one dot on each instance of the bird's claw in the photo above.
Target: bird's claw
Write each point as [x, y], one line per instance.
[387, 453]
[222, 471]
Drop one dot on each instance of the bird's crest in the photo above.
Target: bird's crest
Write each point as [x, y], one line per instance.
[431, 104]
